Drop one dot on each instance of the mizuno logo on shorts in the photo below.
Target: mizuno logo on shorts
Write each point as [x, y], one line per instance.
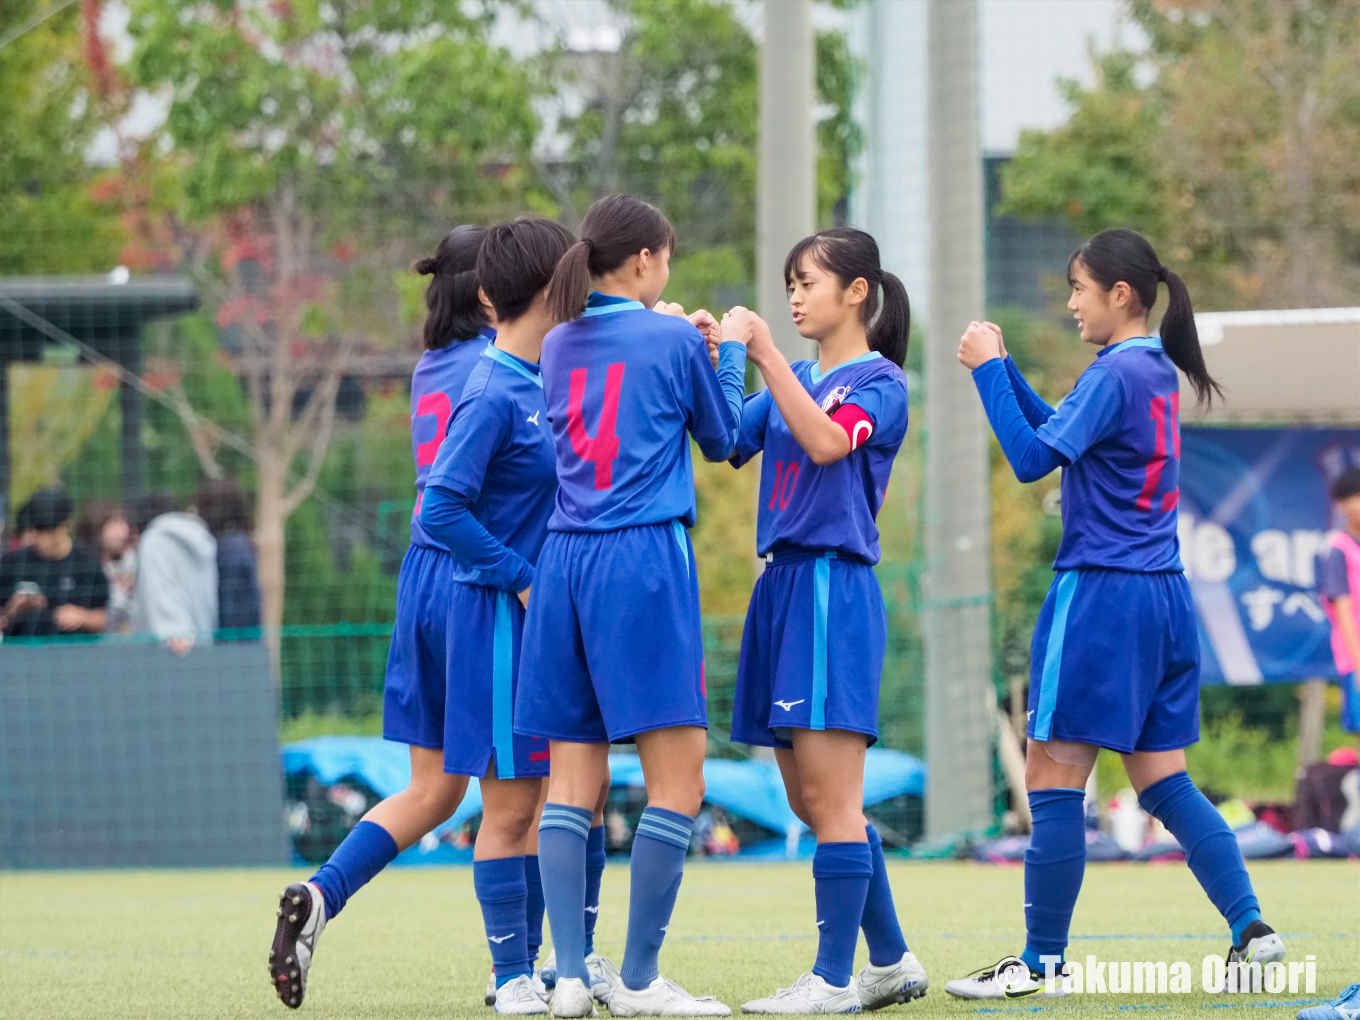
[592, 910]
[788, 705]
[498, 939]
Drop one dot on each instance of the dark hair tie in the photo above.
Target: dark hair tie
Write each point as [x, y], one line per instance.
[590, 244]
[1161, 274]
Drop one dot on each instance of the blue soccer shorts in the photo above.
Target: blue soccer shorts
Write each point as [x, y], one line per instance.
[1115, 662]
[413, 691]
[613, 644]
[485, 628]
[811, 651]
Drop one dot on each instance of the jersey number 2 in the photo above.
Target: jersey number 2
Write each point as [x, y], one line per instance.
[601, 449]
[1166, 419]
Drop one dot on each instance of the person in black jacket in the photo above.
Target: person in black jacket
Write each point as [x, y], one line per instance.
[222, 505]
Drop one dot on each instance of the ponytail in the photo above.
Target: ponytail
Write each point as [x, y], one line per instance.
[615, 229]
[1122, 254]
[453, 304]
[852, 254]
[1180, 340]
[889, 335]
[569, 288]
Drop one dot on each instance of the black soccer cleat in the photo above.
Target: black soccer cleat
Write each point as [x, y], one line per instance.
[302, 919]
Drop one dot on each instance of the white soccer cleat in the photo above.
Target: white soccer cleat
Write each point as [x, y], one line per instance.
[517, 997]
[571, 997]
[1009, 978]
[662, 998]
[809, 994]
[302, 919]
[548, 972]
[489, 996]
[603, 977]
[897, 982]
[1260, 945]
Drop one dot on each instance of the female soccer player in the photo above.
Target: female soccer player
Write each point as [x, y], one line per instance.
[456, 332]
[813, 645]
[488, 497]
[1134, 687]
[612, 643]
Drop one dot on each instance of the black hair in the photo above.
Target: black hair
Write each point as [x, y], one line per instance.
[222, 505]
[851, 254]
[46, 510]
[455, 310]
[517, 261]
[1123, 254]
[1347, 485]
[146, 508]
[615, 229]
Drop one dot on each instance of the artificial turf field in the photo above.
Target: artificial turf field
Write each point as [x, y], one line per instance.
[170, 944]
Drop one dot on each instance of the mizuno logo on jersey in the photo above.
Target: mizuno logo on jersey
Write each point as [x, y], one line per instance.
[532, 419]
[788, 705]
[498, 939]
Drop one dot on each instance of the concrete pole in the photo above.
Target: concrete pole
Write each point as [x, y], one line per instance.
[786, 209]
[956, 612]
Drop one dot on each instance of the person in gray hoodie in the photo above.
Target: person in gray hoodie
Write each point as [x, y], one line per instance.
[176, 593]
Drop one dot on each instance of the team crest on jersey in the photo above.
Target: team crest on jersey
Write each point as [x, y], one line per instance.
[835, 398]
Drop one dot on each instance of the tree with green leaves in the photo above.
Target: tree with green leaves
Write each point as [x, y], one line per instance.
[1230, 142]
[314, 145]
[54, 104]
[671, 114]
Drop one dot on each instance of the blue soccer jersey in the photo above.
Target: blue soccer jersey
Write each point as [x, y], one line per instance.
[832, 506]
[436, 387]
[1120, 432]
[497, 463]
[623, 386]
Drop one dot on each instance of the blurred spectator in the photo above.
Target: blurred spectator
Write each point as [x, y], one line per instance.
[222, 505]
[1338, 573]
[103, 526]
[176, 593]
[50, 584]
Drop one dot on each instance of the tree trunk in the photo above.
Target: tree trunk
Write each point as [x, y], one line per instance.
[270, 519]
[1312, 715]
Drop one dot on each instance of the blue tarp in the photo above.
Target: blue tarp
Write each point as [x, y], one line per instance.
[748, 789]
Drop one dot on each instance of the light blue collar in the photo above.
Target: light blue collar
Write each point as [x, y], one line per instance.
[817, 375]
[607, 304]
[527, 369]
[1154, 342]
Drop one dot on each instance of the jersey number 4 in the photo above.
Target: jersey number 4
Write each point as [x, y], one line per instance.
[1166, 421]
[601, 449]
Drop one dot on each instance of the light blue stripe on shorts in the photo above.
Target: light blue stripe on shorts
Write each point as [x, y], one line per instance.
[1048, 680]
[678, 530]
[502, 689]
[821, 608]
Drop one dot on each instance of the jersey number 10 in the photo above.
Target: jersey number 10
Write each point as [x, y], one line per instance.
[1166, 420]
[601, 449]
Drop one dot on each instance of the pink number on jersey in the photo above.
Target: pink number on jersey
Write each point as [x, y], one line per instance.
[438, 407]
[785, 478]
[603, 448]
[1161, 424]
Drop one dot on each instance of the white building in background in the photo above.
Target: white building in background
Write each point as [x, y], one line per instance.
[1025, 47]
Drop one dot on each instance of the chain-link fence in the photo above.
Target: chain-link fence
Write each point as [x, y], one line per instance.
[232, 383]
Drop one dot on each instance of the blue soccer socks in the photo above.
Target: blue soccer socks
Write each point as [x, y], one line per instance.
[1210, 847]
[1054, 865]
[365, 851]
[843, 872]
[594, 875]
[533, 905]
[503, 892]
[562, 837]
[659, 848]
[882, 931]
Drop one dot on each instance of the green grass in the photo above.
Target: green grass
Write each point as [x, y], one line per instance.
[171, 944]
